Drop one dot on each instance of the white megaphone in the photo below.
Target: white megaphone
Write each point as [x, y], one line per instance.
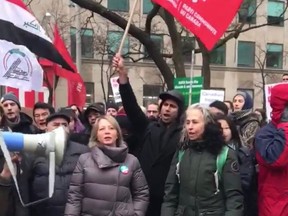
[51, 144]
[38, 144]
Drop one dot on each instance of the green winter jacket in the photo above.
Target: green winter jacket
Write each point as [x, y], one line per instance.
[195, 192]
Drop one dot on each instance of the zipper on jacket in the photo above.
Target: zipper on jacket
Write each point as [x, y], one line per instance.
[196, 182]
[117, 187]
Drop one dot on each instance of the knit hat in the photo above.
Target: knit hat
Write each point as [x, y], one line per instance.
[12, 97]
[220, 106]
[112, 105]
[248, 104]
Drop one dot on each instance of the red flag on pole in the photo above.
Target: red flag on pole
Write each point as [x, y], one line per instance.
[76, 87]
[207, 19]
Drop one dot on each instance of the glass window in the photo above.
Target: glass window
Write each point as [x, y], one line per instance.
[114, 40]
[218, 56]
[147, 6]
[87, 41]
[247, 12]
[151, 93]
[158, 40]
[118, 5]
[188, 44]
[246, 54]
[275, 13]
[89, 93]
[274, 56]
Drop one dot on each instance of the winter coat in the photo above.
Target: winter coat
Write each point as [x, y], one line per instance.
[271, 144]
[107, 181]
[156, 149]
[54, 206]
[8, 192]
[191, 190]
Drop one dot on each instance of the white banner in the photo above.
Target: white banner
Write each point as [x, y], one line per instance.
[115, 89]
[209, 96]
[19, 68]
[267, 99]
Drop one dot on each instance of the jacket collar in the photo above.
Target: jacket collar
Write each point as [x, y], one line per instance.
[107, 156]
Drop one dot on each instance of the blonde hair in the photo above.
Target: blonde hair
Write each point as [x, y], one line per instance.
[93, 138]
[208, 118]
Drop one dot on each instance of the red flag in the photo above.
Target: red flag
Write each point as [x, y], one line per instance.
[76, 87]
[207, 19]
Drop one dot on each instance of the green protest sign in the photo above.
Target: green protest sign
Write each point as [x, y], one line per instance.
[182, 84]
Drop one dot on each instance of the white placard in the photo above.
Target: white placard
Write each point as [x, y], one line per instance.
[267, 99]
[209, 96]
[115, 89]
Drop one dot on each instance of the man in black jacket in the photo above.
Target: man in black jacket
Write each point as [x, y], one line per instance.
[158, 140]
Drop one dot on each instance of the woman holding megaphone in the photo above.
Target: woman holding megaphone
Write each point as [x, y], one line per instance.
[107, 180]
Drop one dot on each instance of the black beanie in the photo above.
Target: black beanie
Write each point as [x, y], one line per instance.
[220, 105]
[12, 97]
[112, 105]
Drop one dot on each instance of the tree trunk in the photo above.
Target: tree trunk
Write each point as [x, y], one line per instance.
[176, 44]
[205, 70]
[263, 88]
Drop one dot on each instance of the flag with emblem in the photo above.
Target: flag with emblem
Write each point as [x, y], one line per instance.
[22, 28]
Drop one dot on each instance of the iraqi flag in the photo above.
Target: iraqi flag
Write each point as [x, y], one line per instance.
[20, 27]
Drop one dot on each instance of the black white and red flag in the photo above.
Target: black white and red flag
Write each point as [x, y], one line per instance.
[19, 26]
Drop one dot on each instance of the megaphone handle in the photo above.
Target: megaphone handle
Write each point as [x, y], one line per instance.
[13, 173]
[51, 173]
[10, 165]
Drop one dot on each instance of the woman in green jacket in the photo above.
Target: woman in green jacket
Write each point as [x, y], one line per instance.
[204, 175]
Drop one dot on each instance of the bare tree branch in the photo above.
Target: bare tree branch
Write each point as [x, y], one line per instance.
[150, 17]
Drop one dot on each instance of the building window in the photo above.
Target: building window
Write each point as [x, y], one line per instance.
[89, 93]
[151, 93]
[247, 12]
[114, 40]
[87, 41]
[158, 41]
[218, 55]
[188, 44]
[276, 13]
[274, 56]
[118, 5]
[246, 54]
[147, 6]
[248, 90]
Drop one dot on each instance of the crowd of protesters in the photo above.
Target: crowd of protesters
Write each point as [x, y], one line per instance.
[164, 160]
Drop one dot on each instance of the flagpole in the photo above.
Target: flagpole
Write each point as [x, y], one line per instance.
[127, 26]
[191, 76]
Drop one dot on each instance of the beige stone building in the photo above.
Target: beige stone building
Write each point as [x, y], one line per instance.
[237, 65]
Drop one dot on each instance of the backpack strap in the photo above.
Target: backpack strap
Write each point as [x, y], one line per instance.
[221, 160]
[180, 155]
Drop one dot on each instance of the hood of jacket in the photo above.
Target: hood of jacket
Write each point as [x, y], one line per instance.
[278, 101]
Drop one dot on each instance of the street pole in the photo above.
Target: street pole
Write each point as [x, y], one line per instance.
[78, 38]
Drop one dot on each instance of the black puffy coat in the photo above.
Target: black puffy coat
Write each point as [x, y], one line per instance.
[39, 184]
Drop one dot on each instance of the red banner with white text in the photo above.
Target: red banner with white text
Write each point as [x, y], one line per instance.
[207, 19]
